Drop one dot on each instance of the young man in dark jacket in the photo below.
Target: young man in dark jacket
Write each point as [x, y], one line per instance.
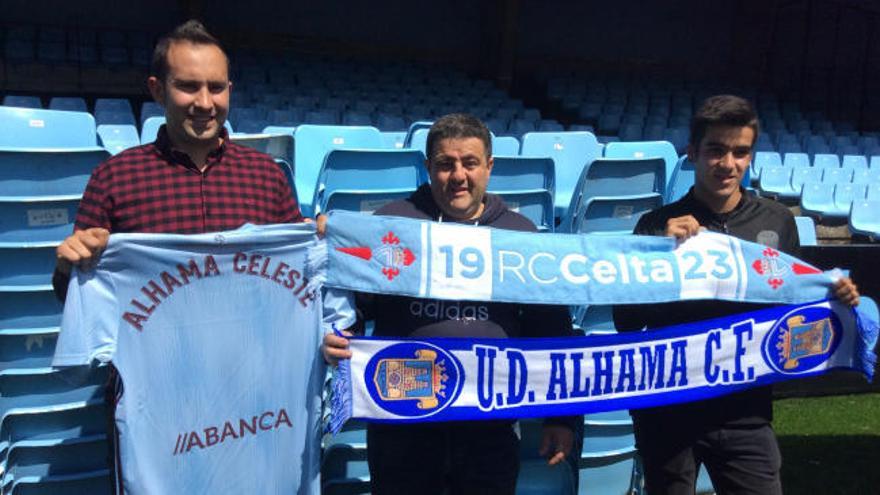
[731, 434]
[455, 457]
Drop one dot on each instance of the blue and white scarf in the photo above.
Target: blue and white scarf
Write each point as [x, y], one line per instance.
[454, 379]
[433, 260]
[416, 380]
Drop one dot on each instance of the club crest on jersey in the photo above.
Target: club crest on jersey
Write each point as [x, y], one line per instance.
[774, 269]
[413, 379]
[389, 254]
[802, 340]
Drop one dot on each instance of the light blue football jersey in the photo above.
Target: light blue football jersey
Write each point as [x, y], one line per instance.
[216, 338]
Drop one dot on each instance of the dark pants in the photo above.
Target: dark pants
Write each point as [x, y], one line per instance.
[740, 461]
[443, 458]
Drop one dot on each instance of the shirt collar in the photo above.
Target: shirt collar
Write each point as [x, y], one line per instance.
[165, 148]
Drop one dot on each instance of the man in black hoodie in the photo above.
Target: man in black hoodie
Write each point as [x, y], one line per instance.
[730, 434]
[455, 457]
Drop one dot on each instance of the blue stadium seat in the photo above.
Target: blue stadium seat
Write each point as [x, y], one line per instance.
[816, 198]
[41, 460]
[36, 221]
[537, 206]
[390, 123]
[505, 146]
[30, 311]
[520, 127]
[113, 105]
[802, 175]
[278, 145]
[678, 136]
[595, 319]
[22, 101]
[520, 173]
[607, 462]
[764, 159]
[68, 103]
[864, 218]
[29, 174]
[682, 180]
[776, 182]
[372, 171]
[393, 140]
[836, 175]
[831, 203]
[27, 348]
[826, 160]
[873, 191]
[29, 267]
[63, 422]
[645, 149]
[571, 152]
[114, 117]
[93, 482]
[151, 109]
[854, 162]
[791, 160]
[806, 231]
[362, 201]
[623, 176]
[614, 215]
[33, 128]
[537, 478]
[116, 138]
[311, 144]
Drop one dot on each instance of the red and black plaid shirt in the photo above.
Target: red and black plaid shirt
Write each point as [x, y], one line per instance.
[155, 189]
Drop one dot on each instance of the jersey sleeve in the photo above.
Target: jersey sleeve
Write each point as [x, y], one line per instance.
[339, 309]
[90, 321]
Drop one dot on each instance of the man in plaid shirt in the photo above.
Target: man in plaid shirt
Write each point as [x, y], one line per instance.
[192, 179]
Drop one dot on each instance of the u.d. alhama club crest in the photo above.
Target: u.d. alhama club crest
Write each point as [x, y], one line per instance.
[391, 255]
[804, 339]
[421, 379]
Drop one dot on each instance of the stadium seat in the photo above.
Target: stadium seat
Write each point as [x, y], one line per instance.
[607, 459]
[836, 175]
[873, 191]
[537, 478]
[614, 215]
[114, 117]
[276, 145]
[645, 149]
[594, 319]
[537, 206]
[623, 176]
[36, 221]
[113, 105]
[776, 182]
[802, 175]
[875, 162]
[29, 311]
[68, 103]
[682, 180]
[816, 197]
[32, 174]
[854, 162]
[22, 101]
[864, 218]
[505, 146]
[571, 152]
[27, 348]
[311, 144]
[520, 173]
[806, 231]
[29, 265]
[117, 138]
[826, 160]
[33, 128]
[63, 422]
[764, 159]
[43, 459]
[151, 109]
[371, 171]
[791, 160]
[393, 140]
[93, 482]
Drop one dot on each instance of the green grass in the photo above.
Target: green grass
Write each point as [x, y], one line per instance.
[829, 445]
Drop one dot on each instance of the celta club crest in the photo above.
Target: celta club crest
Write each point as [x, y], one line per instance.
[421, 379]
[804, 339]
[390, 254]
[774, 268]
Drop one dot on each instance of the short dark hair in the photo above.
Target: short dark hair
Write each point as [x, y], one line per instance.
[724, 110]
[458, 126]
[192, 31]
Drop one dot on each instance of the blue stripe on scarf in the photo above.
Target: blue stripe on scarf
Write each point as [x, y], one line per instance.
[448, 379]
